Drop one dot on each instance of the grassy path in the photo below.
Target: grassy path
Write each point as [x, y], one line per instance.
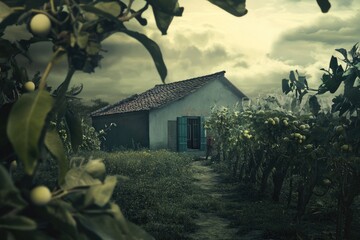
[211, 226]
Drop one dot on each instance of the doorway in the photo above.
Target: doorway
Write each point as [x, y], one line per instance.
[193, 133]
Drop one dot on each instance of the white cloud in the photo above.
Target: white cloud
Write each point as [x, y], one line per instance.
[256, 50]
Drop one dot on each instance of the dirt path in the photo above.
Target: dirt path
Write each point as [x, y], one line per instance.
[211, 226]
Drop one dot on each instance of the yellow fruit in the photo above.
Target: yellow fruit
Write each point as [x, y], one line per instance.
[286, 139]
[339, 129]
[285, 122]
[344, 147]
[40, 195]
[246, 131]
[266, 122]
[246, 135]
[29, 86]
[96, 168]
[302, 127]
[276, 119]
[303, 137]
[40, 24]
[300, 141]
[13, 164]
[326, 182]
[297, 135]
[307, 126]
[309, 146]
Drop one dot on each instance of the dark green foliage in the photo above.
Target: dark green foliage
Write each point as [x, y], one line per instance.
[349, 101]
[324, 5]
[28, 116]
[234, 7]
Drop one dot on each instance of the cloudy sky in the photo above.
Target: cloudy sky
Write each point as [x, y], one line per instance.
[256, 50]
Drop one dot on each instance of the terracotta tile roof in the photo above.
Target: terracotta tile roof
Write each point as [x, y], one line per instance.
[158, 96]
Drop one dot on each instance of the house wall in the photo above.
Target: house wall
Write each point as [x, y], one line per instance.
[134, 124]
[197, 104]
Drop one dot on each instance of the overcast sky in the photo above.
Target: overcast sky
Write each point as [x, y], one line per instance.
[256, 50]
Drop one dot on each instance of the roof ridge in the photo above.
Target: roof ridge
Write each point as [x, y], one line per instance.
[128, 99]
[194, 78]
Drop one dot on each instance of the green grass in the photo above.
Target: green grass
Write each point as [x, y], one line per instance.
[157, 190]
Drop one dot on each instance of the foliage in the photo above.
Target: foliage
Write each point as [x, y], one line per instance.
[90, 138]
[347, 103]
[75, 211]
[309, 152]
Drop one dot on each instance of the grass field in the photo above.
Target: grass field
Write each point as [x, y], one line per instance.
[156, 191]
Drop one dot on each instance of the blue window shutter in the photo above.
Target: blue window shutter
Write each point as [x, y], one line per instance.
[182, 134]
[202, 134]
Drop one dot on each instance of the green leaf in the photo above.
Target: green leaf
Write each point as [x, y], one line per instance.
[163, 20]
[101, 194]
[9, 194]
[292, 76]
[353, 50]
[331, 83]
[25, 125]
[285, 86]
[101, 225]
[59, 213]
[82, 39]
[77, 177]
[28, 4]
[7, 152]
[73, 123]
[170, 7]
[314, 105]
[333, 64]
[118, 215]
[149, 44]
[112, 7]
[164, 12]
[234, 7]
[354, 96]
[5, 180]
[55, 146]
[9, 20]
[349, 82]
[324, 5]
[301, 83]
[5, 10]
[343, 52]
[17, 223]
[153, 49]
[7, 50]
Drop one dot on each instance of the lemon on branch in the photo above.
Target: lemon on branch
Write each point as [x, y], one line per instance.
[40, 24]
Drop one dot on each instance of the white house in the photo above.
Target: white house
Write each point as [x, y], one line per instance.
[167, 116]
